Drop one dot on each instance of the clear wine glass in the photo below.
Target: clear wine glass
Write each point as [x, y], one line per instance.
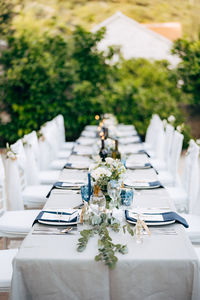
[114, 189]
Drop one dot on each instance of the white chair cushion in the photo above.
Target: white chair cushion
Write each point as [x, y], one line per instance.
[194, 227]
[17, 223]
[49, 177]
[63, 154]
[58, 164]
[165, 178]
[6, 258]
[157, 163]
[35, 195]
[67, 145]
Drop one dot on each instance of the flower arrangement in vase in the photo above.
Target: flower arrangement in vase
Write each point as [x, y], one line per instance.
[104, 172]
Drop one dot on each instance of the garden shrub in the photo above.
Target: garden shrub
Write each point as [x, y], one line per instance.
[47, 74]
[189, 68]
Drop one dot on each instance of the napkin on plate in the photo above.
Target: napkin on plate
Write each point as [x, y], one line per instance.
[79, 166]
[66, 217]
[156, 218]
[134, 166]
[144, 185]
[65, 186]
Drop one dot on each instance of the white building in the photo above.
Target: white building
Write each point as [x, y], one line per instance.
[134, 39]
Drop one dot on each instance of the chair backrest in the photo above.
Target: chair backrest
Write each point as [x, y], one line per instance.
[151, 130]
[21, 162]
[13, 185]
[2, 187]
[32, 140]
[51, 138]
[159, 141]
[169, 132]
[61, 127]
[191, 177]
[176, 149]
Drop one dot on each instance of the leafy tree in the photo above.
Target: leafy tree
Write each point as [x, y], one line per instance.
[45, 75]
[189, 67]
[142, 88]
[35, 80]
[6, 15]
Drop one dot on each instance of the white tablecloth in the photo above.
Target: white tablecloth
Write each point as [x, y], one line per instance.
[163, 267]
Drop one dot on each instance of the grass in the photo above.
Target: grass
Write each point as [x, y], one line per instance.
[88, 13]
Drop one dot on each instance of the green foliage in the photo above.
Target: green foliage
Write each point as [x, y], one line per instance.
[46, 74]
[189, 67]
[142, 88]
[107, 249]
[35, 80]
[6, 15]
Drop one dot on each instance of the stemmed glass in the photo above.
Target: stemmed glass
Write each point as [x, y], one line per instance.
[114, 189]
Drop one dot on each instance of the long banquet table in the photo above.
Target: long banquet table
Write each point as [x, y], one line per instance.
[164, 266]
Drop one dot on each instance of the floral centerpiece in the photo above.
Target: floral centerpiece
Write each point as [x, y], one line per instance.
[103, 172]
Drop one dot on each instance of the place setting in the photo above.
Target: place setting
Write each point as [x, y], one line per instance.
[107, 197]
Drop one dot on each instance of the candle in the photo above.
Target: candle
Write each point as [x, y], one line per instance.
[89, 186]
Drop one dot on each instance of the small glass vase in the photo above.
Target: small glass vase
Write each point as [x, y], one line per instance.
[97, 201]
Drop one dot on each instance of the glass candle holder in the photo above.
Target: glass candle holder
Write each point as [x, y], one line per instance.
[85, 192]
[126, 196]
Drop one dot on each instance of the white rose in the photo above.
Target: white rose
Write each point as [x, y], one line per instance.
[11, 155]
[171, 119]
[109, 160]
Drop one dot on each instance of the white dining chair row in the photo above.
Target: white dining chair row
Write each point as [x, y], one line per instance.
[185, 190]
[164, 147]
[21, 185]
[32, 167]
[17, 190]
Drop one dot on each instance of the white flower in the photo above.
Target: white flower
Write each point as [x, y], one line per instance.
[11, 155]
[180, 128]
[100, 172]
[198, 142]
[109, 160]
[171, 119]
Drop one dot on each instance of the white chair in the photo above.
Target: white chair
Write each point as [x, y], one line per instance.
[193, 217]
[162, 160]
[33, 162]
[151, 138]
[61, 129]
[50, 142]
[170, 176]
[32, 196]
[184, 193]
[17, 223]
[6, 258]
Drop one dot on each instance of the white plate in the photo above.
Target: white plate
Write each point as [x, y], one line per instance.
[140, 186]
[154, 219]
[153, 224]
[57, 223]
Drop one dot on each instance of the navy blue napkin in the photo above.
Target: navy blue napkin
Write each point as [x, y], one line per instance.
[39, 217]
[58, 185]
[68, 166]
[143, 152]
[167, 217]
[145, 166]
[55, 185]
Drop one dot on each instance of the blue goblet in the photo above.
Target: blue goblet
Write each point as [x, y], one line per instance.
[126, 196]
